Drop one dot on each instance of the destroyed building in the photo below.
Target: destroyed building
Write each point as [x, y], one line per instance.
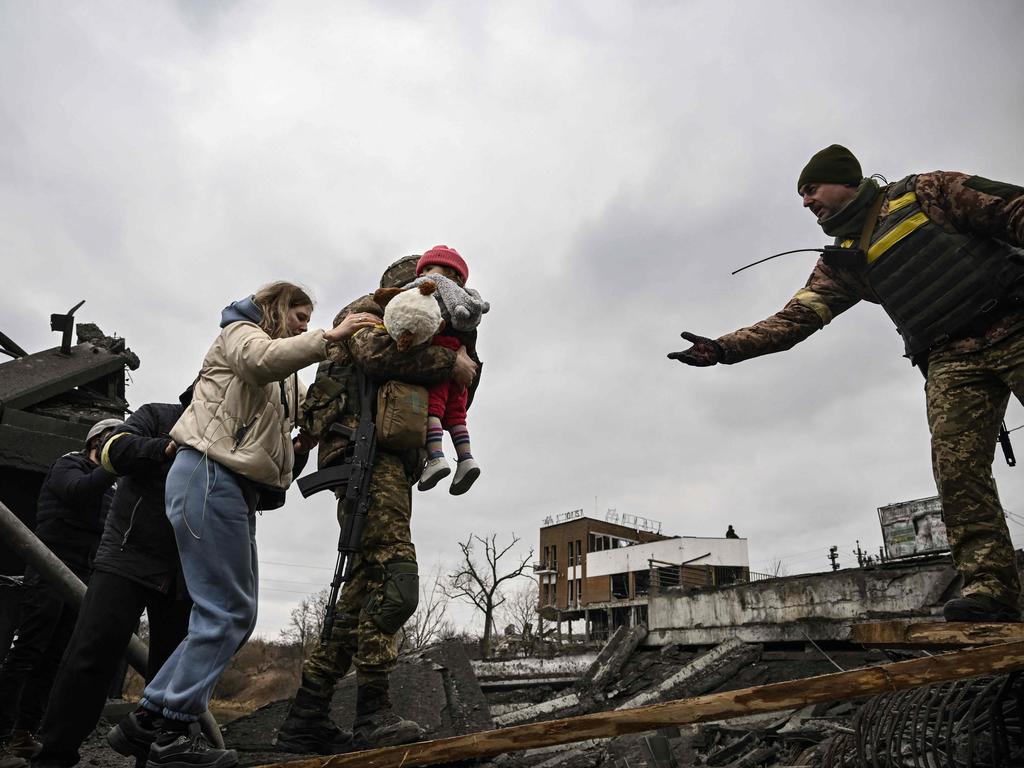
[48, 402]
[603, 573]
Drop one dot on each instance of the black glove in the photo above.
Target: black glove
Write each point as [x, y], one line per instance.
[704, 351]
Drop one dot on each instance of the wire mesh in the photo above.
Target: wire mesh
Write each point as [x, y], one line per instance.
[974, 723]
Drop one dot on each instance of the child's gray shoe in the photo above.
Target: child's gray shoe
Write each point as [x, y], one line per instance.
[465, 475]
[435, 471]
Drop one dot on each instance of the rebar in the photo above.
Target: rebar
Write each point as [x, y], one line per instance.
[975, 723]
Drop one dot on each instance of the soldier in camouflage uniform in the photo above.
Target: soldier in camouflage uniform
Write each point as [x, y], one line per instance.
[383, 589]
[941, 253]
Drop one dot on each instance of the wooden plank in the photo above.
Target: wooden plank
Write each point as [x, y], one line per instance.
[987, 660]
[892, 634]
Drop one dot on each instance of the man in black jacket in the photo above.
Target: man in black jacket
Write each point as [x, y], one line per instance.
[136, 568]
[73, 503]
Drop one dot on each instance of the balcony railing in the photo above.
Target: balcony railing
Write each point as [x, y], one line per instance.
[546, 567]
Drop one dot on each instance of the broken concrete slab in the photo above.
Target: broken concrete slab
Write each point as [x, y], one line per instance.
[820, 606]
[610, 660]
[435, 687]
[704, 673]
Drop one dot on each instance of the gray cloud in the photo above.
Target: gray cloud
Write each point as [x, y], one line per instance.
[602, 167]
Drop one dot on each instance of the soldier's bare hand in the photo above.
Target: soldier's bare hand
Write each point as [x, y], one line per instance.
[170, 449]
[350, 325]
[703, 353]
[465, 369]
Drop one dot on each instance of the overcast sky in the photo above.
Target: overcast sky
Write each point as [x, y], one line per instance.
[602, 166]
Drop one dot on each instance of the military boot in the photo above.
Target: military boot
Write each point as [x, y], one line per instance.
[979, 608]
[308, 729]
[23, 743]
[377, 724]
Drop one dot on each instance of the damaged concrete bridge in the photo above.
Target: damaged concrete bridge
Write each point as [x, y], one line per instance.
[735, 704]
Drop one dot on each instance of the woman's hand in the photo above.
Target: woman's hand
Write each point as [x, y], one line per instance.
[304, 442]
[350, 325]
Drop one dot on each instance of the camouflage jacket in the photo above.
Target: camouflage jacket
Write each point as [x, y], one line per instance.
[334, 396]
[954, 201]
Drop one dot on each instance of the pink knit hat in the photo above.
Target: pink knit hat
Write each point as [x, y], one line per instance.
[443, 256]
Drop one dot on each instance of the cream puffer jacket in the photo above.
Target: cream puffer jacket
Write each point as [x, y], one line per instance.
[245, 401]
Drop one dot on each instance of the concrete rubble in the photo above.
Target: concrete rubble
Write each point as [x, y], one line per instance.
[447, 693]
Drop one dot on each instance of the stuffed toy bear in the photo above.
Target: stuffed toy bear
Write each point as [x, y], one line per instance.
[461, 308]
[412, 316]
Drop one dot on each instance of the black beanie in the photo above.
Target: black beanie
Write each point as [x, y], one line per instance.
[832, 165]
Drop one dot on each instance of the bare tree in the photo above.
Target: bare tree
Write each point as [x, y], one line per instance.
[306, 621]
[428, 624]
[479, 582]
[520, 608]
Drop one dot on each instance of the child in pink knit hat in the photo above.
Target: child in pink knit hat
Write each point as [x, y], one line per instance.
[461, 309]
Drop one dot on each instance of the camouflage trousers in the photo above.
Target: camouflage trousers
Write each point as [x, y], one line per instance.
[355, 638]
[967, 396]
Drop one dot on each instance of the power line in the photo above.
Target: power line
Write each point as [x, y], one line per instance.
[294, 583]
[296, 565]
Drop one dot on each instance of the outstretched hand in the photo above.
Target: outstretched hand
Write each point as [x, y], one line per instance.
[350, 325]
[703, 353]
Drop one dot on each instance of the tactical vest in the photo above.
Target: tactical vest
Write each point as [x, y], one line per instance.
[934, 283]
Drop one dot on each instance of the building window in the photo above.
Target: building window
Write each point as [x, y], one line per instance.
[579, 590]
[579, 552]
[569, 563]
[620, 586]
[572, 591]
[547, 557]
[554, 558]
[642, 583]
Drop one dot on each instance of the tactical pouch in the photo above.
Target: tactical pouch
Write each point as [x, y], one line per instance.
[401, 416]
[397, 598]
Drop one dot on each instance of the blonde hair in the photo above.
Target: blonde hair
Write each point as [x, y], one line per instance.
[274, 300]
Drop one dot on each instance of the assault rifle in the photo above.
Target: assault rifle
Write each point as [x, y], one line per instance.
[354, 476]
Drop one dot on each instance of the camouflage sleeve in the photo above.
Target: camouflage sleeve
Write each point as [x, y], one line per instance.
[828, 292]
[373, 350]
[973, 204]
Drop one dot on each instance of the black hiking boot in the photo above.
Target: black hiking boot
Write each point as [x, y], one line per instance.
[182, 745]
[10, 760]
[23, 743]
[135, 733]
[979, 608]
[377, 724]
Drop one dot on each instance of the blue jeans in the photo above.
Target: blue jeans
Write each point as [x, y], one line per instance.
[216, 534]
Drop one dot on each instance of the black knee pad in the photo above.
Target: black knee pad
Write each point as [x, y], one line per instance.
[398, 597]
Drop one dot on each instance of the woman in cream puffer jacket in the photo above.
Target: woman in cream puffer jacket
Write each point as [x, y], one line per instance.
[234, 442]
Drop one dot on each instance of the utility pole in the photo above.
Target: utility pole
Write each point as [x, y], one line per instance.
[833, 555]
